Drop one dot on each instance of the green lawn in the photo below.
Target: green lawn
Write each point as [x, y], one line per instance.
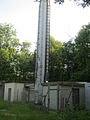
[74, 115]
[19, 111]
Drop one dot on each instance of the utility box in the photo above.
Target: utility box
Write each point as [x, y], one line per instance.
[87, 96]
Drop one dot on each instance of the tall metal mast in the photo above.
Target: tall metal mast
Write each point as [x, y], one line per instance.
[42, 55]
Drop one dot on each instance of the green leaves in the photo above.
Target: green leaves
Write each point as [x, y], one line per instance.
[55, 64]
[71, 60]
[67, 61]
[83, 50]
[16, 60]
[83, 3]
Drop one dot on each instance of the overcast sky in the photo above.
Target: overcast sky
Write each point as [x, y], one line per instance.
[66, 20]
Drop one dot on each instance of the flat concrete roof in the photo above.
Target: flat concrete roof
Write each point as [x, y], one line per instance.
[64, 83]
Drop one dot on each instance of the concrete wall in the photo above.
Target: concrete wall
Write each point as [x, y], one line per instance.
[87, 95]
[16, 91]
[65, 95]
[82, 96]
[30, 93]
[7, 86]
[52, 96]
[19, 92]
[19, 89]
[63, 98]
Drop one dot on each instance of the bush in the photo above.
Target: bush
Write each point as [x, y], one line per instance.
[74, 115]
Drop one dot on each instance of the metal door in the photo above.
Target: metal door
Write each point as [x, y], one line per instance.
[9, 94]
[75, 96]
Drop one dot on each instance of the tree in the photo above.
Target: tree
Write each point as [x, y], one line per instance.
[8, 48]
[84, 3]
[62, 60]
[68, 62]
[55, 64]
[26, 63]
[16, 60]
[82, 57]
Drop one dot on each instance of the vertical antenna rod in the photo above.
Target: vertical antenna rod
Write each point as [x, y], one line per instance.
[42, 55]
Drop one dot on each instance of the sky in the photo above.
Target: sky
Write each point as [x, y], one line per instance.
[66, 19]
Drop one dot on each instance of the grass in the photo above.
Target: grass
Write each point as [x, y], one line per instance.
[19, 111]
[74, 114]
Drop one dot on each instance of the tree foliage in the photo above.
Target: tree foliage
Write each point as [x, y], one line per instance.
[68, 61]
[71, 61]
[55, 64]
[83, 3]
[16, 60]
[83, 53]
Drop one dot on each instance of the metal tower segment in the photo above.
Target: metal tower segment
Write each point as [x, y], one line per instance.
[47, 40]
[42, 56]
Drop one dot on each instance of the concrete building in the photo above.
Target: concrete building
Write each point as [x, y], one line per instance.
[16, 92]
[59, 95]
[56, 95]
[13, 91]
